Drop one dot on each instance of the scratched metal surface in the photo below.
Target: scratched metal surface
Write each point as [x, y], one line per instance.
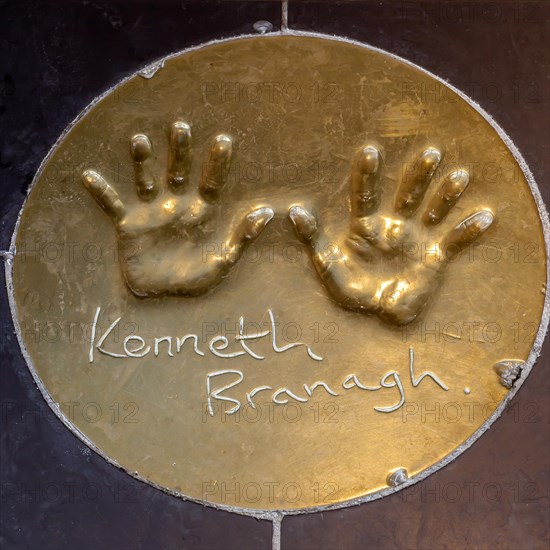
[44, 507]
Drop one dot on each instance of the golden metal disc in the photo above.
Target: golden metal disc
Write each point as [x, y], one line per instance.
[281, 272]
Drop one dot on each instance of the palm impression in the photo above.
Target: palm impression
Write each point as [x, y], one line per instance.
[171, 221]
[390, 265]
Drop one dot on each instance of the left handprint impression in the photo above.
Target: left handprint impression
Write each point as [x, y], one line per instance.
[170, 222]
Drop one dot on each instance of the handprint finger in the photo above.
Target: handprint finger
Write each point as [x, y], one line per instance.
[214, 174]
[246, 232]
[364, 182]
[441, 203]
[179, 161]
[414, 184]
[305, 224]
[104, 194]
[141, 149]
[309, 232]
[466, 232]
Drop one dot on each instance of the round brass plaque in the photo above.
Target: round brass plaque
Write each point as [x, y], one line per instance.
[281, 272]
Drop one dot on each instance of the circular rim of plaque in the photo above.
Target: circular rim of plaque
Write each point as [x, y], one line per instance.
[397, 478]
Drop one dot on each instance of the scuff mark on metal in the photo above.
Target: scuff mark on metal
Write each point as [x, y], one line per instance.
[509, 372]
[151, 70]
[6, 255]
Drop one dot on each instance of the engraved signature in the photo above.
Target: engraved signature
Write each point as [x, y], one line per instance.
[135, 346]
[280, 396]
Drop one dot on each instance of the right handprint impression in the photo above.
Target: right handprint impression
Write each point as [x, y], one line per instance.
[390, 265]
